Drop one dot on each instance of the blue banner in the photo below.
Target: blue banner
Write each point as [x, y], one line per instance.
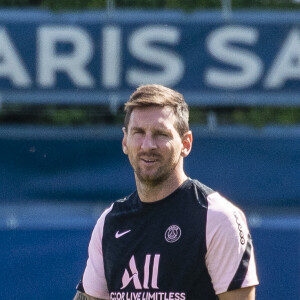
[253, 58]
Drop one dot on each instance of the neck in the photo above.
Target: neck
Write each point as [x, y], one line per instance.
[152, 193]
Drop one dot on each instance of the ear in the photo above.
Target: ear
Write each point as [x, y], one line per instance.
[124, 141]
[187, 141]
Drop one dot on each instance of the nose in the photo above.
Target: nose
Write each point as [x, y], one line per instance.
[148, 142]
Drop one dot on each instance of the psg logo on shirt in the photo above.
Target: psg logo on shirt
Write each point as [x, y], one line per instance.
[172, 234]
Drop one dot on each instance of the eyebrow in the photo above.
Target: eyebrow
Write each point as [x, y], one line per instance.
[157, 130]
[136, 128]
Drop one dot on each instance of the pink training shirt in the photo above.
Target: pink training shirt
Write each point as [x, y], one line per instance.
[227, 236]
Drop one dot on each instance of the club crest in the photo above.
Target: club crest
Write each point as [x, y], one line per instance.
[172, 234]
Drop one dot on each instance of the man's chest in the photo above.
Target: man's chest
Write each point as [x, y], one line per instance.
[144, 251]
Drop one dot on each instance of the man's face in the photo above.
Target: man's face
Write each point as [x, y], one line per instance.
[153, 145]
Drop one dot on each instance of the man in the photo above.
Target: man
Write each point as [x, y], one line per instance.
[174, 238]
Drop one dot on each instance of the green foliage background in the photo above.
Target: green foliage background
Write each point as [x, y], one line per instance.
[181, 4]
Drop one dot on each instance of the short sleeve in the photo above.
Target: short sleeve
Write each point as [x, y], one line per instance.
[93, 281]
[230, 255]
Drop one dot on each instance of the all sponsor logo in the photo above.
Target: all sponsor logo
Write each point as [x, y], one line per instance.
[131, 275]
[145, 283]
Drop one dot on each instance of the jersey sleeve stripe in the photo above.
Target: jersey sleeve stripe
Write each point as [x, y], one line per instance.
[241, 272]
[80, 287]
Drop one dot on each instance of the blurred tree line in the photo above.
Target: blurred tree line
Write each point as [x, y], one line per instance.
[91, 115]
[180, 4]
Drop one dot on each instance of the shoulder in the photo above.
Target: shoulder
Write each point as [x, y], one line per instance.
[205, 190]
[125, 204]
[230, 256]
[217, 206]
[198, 191]
[118, 208]
[221, 208]
[98, 229]
[225, 222]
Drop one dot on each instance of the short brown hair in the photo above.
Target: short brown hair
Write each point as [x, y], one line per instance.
[158, 95]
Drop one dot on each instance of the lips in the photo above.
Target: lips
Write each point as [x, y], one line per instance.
[148, 160]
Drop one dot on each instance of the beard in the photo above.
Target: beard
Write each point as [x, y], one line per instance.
[154, 177]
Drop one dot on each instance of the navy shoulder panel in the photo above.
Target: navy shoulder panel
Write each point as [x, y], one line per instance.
[204, 189]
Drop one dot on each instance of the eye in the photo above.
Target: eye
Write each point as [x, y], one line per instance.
[138, 132]
[163, 134]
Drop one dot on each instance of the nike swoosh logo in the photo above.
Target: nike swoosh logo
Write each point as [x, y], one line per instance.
[119, 234]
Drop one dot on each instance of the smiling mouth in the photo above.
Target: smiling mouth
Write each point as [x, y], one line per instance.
[149, 160]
